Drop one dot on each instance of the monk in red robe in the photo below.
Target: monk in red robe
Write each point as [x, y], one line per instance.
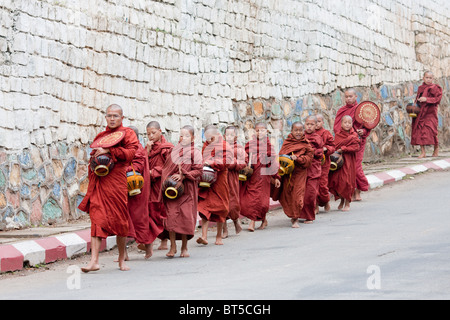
[362, 184]
[107, 196]
[323, 196]
[240, 160]
[158, 150]
[314, 171]
[139, 227]
[292, 190]
[185, 164]
[254, 193]
[342, 182]
[425, 127]
[213, 203]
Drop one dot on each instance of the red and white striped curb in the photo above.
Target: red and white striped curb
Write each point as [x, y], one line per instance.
[45, 250]
[380, 179]
[65, 246]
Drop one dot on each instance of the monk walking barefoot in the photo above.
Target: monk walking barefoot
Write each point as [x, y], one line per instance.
[110, 217]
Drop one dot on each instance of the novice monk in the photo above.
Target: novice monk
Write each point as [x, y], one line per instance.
[213, 203]
[239, 162]
[255, 192]
[184, 164]
[158, 150]
[425, 127]
[323, 196]
[139, 228]
[107, 196]
[314, 171]
[292, 190]
[343, 181]
[351, 100]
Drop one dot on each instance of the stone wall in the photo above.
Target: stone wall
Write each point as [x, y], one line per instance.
[62, 62]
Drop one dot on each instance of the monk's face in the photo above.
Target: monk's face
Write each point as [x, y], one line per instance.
[230, 135]
[298, 131]
[319, 124]
[350, 97]
[347, 124]
[114, 118]
[428, 78]
[154, 134]
[310, 126]
[186, 137]
[261, 132]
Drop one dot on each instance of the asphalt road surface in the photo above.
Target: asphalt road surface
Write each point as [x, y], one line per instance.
[393, 245]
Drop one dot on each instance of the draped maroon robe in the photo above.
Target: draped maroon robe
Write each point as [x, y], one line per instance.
[107, 197]
[213, 203]
[323, 195]
[254, 194]
[361, 180]
[156, 158]
[292, 190]
[313, 176]
[240, 161]
[425, 127]
[139, 226]
[181, 213]
[342, 182]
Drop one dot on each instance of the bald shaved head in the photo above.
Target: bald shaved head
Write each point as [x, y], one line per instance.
[115, 107]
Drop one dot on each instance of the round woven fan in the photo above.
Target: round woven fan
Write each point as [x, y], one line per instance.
[368, 114]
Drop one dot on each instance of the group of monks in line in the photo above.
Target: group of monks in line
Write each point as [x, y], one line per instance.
[152, 215]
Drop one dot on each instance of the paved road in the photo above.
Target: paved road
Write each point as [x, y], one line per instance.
[393, 245]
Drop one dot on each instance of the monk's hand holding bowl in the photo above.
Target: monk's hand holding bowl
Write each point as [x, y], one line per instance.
[294, 157]
[422, 99]
[100, 151]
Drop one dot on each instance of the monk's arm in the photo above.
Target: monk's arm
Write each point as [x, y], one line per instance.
[305, 159]
[196, 169]
[138, 163]
[436, 96]
[126, 151]
[329, 144]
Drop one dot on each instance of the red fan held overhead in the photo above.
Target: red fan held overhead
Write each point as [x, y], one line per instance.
[368, 114]
[109, 140]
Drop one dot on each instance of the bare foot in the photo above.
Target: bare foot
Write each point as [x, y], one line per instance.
[263, 225]
[225, 231]
[308, 222]
[148, 251]
[341, 205]
[251, 226]
[422, 156]
[184, 253]
[327, 207]
[123, 266]
[346, 208]
[237, 226]
[200, 240]
[91, 267]
[171, 253]
[163, 245]
[219, 241]
[295, 224]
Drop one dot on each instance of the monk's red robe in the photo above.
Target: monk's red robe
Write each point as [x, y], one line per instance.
[213, 203]
[139, 226]
[107, 197]
[342, 183]
[181, 213]
[323, 196]
[425, 127]
[361, 180]
[312, 181]
[292, 190]
[254, 194]
[240, 160]
[156, 158]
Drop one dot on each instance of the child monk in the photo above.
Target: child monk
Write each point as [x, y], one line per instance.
[213, 203]
[139, 227]
[323, 195]
[184, 164]
[342, 182]
[255, 192]
[292, 190]
[158, 150]
[240, 160]
[314, 171]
